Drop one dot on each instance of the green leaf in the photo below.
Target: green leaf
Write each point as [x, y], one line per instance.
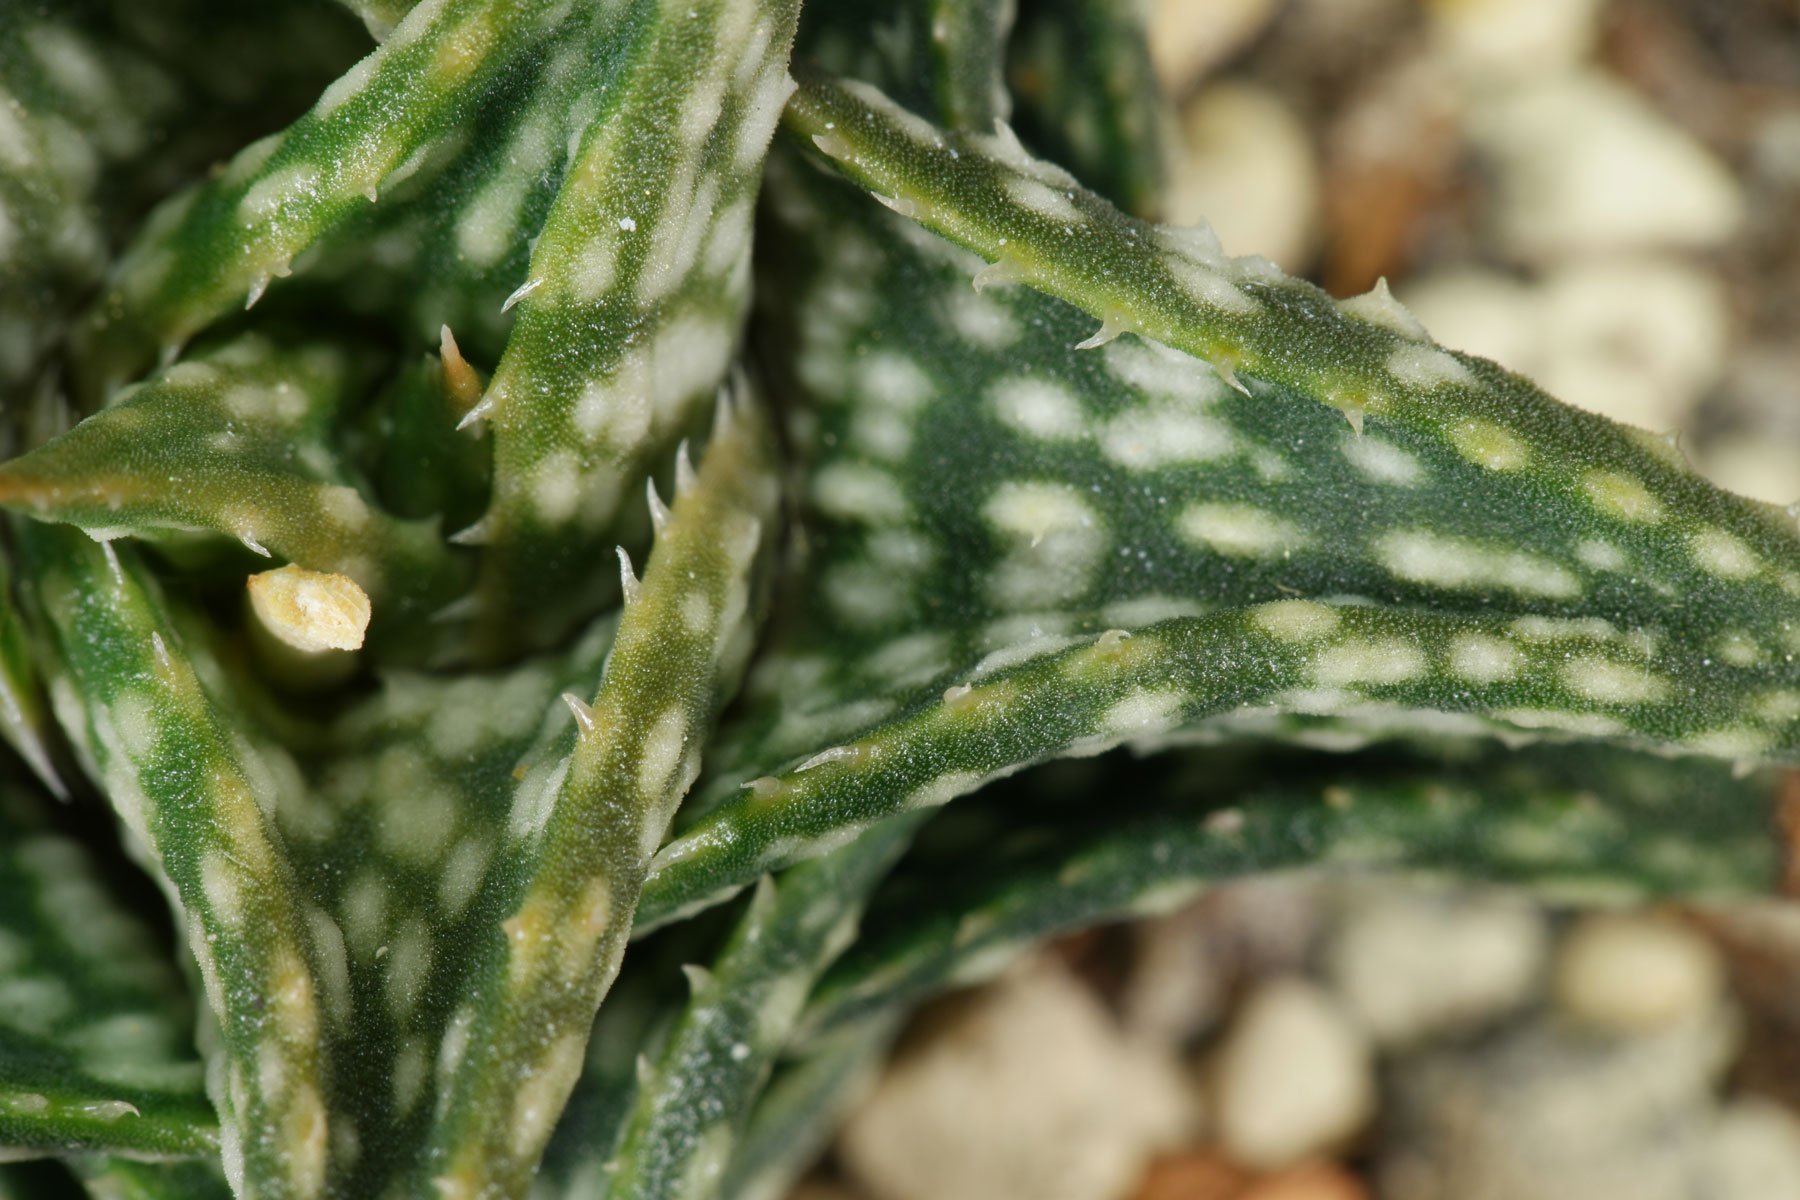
[1576, 823]
[197, 792]
[217, 246]
[632, 308]
[586, 819]
[238, 442]
[1088, 97]
[692, 1102]
[119, 1179]
[24, 718]
[96, 1043]
[1019, 549]
[797, 1114]
[944, 57]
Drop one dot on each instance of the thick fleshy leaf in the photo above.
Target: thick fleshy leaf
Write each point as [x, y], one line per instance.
[216, 247]
[586, 818]
[239, 442]
[1008, 562]
[96, 1032]
[797, 1114]
[631, 312]
[692, 1102]
[197, 794]
[1576, 823]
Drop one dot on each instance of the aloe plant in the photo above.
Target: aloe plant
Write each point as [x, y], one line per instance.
[345, 608]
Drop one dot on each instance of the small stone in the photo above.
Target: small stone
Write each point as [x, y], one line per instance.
[1314, 1181]
[1292, 1078]
[1247, 167]
[1410, 965]
[1028, 1091]
[1584, 164]
[1194, 1175]
[1513, 37]
[1754, 1152]
[1548, 1110]
[1629, 973]
[1188, 38]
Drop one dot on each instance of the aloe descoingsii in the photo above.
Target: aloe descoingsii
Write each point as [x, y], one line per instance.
[339, 572]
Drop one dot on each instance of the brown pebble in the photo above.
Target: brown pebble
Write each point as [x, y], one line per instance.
[1194, 1175]
[1313, 1181]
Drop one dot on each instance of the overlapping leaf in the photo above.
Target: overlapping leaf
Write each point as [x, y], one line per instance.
[96, 1032]
[240, 442]
[1577, 823]
[1025, 544]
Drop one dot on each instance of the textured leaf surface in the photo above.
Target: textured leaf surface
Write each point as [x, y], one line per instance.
[216, 247]
[1009, 562]
[96, 1033]
[119, 1179]
[197, 793]
[797, 1114]
[239, 442]
[636, 291]
[694, 1100]
[586, 820]
[1579, 823]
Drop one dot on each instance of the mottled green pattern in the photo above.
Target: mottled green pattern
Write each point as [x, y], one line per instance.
[629, 317]
[584, 824]
[196, 793]
[1584, 824]
[693, 1101]
[1141, 563]
[238, 442]
[507, 262]
[96, 1035]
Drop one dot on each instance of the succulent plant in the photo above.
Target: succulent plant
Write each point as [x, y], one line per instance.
[344, 608]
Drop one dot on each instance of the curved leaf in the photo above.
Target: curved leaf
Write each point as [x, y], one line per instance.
[96, 1042]
[1577, 822]
[586, 820]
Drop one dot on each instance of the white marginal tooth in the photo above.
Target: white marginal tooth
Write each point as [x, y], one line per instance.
[684, 470]
[482, 410]
[1224, 371]
[258, 286]
[1109, 329]
[523, 290]
[628, 580]
[459, 609]
[474, 535]
[160, 650]
[584, 715]
[998, 274]
[899, 204]
[251, 544]
[659, 512]
[284, 270]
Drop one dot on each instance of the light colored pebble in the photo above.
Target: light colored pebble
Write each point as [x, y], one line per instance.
[1512, 38]
[1247, 167]
[1187, 37]
[1629, 973]
[1584, 164]
[1029, 1092]
[1410, 966]
[1292, 1077]
[1753, 1152]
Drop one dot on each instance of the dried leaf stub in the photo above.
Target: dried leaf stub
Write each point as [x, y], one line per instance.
[311, 611]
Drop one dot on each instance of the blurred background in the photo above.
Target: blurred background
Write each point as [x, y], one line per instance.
[1603, 195]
